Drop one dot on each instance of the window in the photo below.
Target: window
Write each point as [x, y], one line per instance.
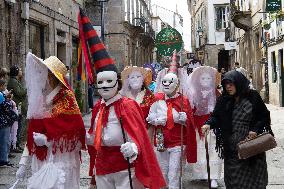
[221, 17]
[36, 39]
[273, 65]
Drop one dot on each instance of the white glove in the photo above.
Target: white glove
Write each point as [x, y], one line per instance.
[21, 172]
[90, 139]
[40, 139]
[182, 117]
[151, 119]
[160, 121]
[129, 150]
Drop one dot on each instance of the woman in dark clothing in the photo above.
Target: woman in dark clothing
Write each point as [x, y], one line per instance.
[239, 113]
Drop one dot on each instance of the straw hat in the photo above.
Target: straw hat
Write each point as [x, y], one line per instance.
[147, 74]
[58, 69]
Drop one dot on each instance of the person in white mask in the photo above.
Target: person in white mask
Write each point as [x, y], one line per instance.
[121, 155]
[202, 92]
[172, 115]
[135, 86]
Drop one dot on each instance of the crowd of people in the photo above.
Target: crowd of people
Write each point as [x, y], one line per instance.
[138, 138]
[12, 113]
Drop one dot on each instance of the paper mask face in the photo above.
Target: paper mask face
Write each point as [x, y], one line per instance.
[170, 83]
[107, 84]
[206, 80]
[135, 80]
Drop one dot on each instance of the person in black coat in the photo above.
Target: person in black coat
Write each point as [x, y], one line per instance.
[239, 113]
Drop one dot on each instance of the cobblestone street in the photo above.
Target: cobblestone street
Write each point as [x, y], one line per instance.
[275, 159]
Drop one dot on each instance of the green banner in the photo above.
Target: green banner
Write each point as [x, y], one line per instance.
[168, 40]
[273, 5]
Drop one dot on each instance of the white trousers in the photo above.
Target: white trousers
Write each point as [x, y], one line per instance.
[119, 180]
[169, 161]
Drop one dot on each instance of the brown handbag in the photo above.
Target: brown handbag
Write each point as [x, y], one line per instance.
[252, 147]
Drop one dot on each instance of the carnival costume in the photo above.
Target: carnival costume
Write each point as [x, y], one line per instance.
[56, 132]
[135, 86]
[117, 140]
[172, 116]
[202, 92]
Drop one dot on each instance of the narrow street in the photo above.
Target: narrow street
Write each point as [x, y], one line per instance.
[275, 159]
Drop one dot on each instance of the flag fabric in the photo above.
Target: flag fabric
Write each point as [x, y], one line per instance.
[101, 59]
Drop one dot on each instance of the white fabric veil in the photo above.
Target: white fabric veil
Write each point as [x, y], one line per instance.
[125, 90]
[36, 80]
[202, 98]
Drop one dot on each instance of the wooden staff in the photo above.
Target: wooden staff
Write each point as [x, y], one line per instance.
[181, 151]
[207, 159]
[128, 161]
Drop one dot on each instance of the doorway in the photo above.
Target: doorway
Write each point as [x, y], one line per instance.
[280, 63]
[223, 60]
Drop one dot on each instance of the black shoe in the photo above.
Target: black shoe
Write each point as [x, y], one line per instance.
[17, 150]
[6, 164]
[11, 156]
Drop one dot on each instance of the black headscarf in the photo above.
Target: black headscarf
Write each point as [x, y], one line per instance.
[14, 71]
[239, 80]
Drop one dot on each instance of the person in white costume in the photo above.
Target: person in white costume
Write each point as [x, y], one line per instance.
[172, 114]
[135, 82]
[202, 92]
[56, 132]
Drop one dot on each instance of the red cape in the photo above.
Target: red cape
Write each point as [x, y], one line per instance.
[65, 127]
[182, 104]
[147, 169]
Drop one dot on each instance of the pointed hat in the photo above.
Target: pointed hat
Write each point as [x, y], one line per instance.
[173, 65]
[102, 60]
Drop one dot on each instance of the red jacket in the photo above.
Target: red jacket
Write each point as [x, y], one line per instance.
[172, 137]
[147, 169]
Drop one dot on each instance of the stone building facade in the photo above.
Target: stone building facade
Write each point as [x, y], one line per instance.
[45, 28]
[127, 30]
[246, 28]
[209, 21]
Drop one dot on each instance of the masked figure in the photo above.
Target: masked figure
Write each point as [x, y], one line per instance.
[135, 86]
[117, 139]
[172, 114]
[202, 93]
[56, 132]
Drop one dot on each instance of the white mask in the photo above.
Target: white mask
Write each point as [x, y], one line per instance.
[170, 83]
[206, 80]
[135, 80]
[107, 84]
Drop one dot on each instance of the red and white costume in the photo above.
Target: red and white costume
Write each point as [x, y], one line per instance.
[56, 132]
[173, 114]
[202, 93]
[110, 165]
[135, 86]
[170, 159]
[112, 154]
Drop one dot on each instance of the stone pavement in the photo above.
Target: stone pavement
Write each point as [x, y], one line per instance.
[275, 160]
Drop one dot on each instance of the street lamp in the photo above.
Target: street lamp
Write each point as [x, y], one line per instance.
[102, 18]
[200, 35]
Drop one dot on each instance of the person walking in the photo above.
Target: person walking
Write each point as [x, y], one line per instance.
[20, 97]
[135, 82]
[172, 116]
[56, 132]
[7, 118]
[202, 93]
[120, 150]
[239, 113]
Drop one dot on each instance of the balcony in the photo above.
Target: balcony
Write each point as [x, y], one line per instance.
[241, 19]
